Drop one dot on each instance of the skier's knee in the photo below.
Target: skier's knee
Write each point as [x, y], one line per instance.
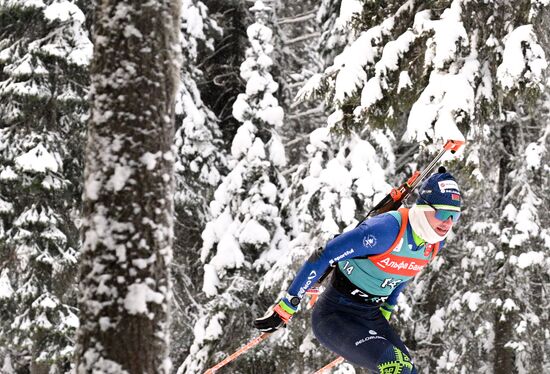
[394, 361]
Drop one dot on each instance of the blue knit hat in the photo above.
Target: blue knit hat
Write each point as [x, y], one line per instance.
[441, 191]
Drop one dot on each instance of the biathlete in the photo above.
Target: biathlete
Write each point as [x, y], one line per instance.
[374, 263]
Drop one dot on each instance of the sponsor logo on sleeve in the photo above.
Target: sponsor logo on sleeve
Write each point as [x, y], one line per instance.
[339, 257]
[369, 241]
[310, 279]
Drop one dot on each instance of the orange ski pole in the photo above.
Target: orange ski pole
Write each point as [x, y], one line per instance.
[238, 352]
[329, 366]
[256, 340]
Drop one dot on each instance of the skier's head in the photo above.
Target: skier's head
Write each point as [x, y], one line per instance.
[441, 191]
[437, 207]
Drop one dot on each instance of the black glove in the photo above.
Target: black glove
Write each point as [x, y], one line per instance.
[276, 316]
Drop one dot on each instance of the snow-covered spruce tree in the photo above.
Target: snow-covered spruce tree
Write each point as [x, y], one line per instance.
[246, 232]
[450, 70]
[334, 16]
[200, 155]
[477, 323]
[44, 55]
[125, 286]
[330, 193]
[296, 34]
[495, 319]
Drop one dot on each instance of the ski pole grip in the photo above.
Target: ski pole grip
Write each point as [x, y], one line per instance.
[453, 145]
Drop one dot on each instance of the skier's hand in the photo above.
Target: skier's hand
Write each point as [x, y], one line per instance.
[276, 316]
[386, 310]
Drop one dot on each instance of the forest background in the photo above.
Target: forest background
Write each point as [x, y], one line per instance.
[292, 119]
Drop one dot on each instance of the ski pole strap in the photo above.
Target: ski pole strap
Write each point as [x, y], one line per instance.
[238, 352]
[284, 312]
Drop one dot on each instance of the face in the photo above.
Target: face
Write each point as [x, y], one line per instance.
[440, 227]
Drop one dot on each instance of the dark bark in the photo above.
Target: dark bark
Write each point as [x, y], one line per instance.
[504, 356]
[127, 208]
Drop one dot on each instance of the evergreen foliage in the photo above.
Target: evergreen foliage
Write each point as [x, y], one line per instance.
[222, 82]
[200, 162]
[44, 54]
[246, 232]
[369, 90]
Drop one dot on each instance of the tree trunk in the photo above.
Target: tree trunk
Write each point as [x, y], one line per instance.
[127, 208]
[504, 356]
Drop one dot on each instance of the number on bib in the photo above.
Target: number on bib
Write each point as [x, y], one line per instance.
[348, 268]
[390, 282]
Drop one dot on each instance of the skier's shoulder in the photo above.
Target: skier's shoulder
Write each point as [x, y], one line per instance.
[386, 224]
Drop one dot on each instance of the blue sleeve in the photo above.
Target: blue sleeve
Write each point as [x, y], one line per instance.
[373, 236]
[392, 299]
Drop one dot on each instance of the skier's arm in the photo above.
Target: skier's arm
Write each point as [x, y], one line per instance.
[372, 237]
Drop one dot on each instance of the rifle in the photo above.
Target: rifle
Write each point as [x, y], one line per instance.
[395, 198]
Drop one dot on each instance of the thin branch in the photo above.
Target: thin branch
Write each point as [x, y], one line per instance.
[290, 171]
[302, 38]
[309, 112]
[296, 140]
[298, 18]
[401, 161]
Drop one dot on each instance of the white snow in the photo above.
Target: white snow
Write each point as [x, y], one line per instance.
[214, 329]
[437, 323]
[349, 79]
[64, 11]
[6, 290]
[372, 92]
[404, 81]
[509, 305]
[210, 281]
[139, 294]
[38, 159]
[120, 177]
[336, 117]
[243, 139]
[259, 6]
[530, 258]
[348, 8]
[533, 155]
[71, 320]
[7, 174]
[241, 108]
[473, 299]
[523, 58]
[277, 153]
[150, 159]
[446, 99]
[448, 33]
[308, 89]
[254, 233]
[5, 207]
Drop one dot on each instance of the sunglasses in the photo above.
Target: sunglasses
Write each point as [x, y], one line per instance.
[443, 214]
